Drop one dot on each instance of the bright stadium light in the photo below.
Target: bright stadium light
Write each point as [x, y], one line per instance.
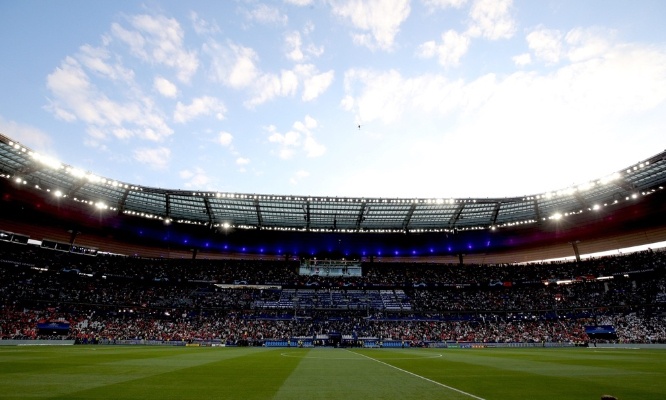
[47, 161]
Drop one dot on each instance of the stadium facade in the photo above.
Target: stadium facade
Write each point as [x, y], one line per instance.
[44, 199]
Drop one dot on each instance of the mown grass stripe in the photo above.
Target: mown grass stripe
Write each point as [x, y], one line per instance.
[124, 372]
[420, 377]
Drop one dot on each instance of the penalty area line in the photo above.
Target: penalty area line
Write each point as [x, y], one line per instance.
[419, 376]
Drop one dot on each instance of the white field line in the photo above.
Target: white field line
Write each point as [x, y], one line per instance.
[419, 376]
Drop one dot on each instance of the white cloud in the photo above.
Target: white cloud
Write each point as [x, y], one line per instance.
[525, 121]
[347, 103]
[315, 85]
[205, 105]
[265, 14]
[310, 123]
[293, 43]
[385, 95]
[300, 3]
[287, 143]
[195, 178]
[492, 19]
[298, 176]
[156, 158]
[449, 52]
[294, 50]
[522, 60]
[299, 138]
[75, 98]
[165, 87]
[269, 86]
[381, 19]
[312, 148]
[577, 45]
[625, 79]
[225, 139]
[546, 44]
[202, 26]
[158, 39]
[232, 65]
[95, 60]
[443, 4]
[242, 161]
[28, 136]
[236, 66]
[585, 44]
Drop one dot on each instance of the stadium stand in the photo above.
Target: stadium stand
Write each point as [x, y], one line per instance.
[95, 260]
[119, 299]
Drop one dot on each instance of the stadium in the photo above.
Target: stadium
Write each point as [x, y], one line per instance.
[105, 264]
[333, 199]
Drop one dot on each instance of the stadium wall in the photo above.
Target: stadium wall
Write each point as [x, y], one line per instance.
[26, 213]
[520, 255]
[15, 342]
[630, 346]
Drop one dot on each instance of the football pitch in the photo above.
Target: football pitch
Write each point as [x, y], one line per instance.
[143, 372]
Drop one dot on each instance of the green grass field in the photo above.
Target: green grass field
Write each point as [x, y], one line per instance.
[140, 372]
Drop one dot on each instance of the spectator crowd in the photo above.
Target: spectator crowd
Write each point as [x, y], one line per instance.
[107, 298]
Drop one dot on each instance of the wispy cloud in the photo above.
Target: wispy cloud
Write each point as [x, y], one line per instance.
[489, 19]
[97, 61]
[522, 60]
[546, 44]
[205, 105]
[299, 138]
[165, 87]
[242, 162]
[266, 14]
[235, 66]
[159, 40]
[296, 51]
[76, 98]
[492, 19]
[293, 44]
[203, 26]
[156, 158]
[231, 64]
[443, 4]
[195, 178]
[225, 138]
[449, 52]
[576, 108]
[298, 177]
[300, 3]
[314, 84]
[624, 77]
[28, 135]
[378, 21]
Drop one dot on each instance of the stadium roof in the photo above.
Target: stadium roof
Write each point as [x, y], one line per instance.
[325, 214]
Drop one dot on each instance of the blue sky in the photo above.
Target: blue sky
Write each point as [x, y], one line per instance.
[454, 98]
